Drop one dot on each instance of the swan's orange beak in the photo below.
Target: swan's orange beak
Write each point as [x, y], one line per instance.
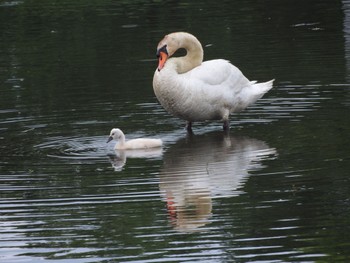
[163, 56]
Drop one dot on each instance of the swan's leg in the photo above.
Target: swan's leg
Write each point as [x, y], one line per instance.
[226, 125]
[226, 119]
[189, 126]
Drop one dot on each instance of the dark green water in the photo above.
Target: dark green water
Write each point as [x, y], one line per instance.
[276, 189]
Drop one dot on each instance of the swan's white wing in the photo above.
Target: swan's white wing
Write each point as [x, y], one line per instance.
[216, 73]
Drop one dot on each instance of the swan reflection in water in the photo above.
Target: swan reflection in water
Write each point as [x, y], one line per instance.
[118, 160]
[200, 168]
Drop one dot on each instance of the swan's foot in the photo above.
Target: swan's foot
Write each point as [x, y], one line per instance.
[226, 125]
[189, 127]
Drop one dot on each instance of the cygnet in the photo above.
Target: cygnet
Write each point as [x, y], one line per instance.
[140, 143]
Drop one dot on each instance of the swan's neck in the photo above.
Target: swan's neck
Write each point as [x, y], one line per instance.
[121, 141]
[194, 56]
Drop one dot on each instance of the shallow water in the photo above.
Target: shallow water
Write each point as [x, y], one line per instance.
[275, 189]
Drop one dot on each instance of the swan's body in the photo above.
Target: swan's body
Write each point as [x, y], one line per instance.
[140, 143]
[196, 91]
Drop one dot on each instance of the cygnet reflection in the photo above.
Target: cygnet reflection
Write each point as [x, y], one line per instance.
[119, 159]
[200, 168]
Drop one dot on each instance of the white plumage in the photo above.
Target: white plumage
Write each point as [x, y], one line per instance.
[140, 143]
[196, 91]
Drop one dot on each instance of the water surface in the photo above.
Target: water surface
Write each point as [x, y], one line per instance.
[274, 189]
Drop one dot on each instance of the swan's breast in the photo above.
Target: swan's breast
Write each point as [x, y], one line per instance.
[187, 98]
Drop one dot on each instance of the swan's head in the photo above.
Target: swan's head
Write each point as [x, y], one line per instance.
[115, 134]
[167, 47]
[174, 41]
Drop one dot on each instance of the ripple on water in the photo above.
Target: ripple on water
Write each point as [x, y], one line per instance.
[191, 191]
[292, 102]
[84, 148]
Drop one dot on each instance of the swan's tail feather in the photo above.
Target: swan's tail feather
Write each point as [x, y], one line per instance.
[257, 90]
[264, 87]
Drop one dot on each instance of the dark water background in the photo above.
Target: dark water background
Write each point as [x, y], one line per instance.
[276, 189]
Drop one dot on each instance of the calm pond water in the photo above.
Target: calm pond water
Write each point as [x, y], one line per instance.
[275, 189]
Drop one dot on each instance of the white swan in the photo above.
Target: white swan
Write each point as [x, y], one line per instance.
[196, 91]
[140, 143]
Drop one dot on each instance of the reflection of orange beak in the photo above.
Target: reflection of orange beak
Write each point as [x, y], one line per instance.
[163, 56]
